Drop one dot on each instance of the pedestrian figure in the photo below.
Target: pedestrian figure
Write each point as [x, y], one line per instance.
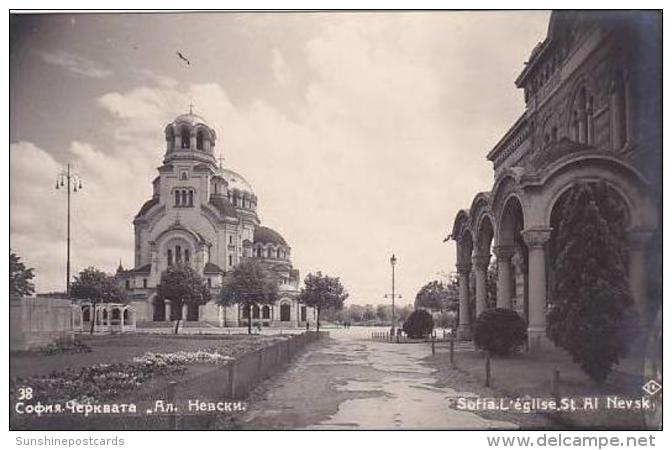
[307, 325]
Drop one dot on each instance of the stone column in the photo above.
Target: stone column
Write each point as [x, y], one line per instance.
[637, 240]
[168, 310]
[535, 239]
[481, 263]
[464, 326]
[185, 310]
[504, 254]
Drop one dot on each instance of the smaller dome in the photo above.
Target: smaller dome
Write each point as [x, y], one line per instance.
[265, 235]
[191, 119]
[235, 181]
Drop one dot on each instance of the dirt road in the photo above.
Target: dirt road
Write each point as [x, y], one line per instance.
[351, 382]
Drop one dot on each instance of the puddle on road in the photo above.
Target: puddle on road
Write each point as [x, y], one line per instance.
[406, 404]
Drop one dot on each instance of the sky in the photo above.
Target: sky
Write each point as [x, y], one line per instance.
[362, 134]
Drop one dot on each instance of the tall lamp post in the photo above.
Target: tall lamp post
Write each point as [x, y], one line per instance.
[393, 262]
[71, 182]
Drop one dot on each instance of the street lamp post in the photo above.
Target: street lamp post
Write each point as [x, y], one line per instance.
[72, 182]
[393, 262]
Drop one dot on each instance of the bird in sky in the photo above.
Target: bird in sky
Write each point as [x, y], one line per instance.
[183, 58]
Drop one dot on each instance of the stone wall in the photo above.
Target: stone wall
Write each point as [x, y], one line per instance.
[38, 322]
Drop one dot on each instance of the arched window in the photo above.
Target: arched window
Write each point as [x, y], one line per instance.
[255, 312]
[191, 198]
[184, 198]
[170, 257]
[199, 140]
[178, 254]
[265, 312]
[268, 253]
[177, 198]
[278, 254]
[582, 117]
[186, 255]
[185, 138]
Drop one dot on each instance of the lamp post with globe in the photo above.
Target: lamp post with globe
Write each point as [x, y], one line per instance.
[71, 182]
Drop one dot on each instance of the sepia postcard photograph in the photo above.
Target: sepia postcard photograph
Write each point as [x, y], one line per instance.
[336, 220]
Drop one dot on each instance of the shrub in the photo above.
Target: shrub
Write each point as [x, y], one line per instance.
[419, 324]
[500, 331]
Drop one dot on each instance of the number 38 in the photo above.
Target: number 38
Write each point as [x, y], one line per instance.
[25, 393]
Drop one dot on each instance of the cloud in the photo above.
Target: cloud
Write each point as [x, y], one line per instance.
[156, 78]
[279, 67]
[76, 64]
[385, 141]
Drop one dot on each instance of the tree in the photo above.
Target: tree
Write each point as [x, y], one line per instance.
[384, 313]
[20, 284]
[355, 313]
[369, 312]
[419, 324]
[591, 316]
[96, 286]
[322, 292]
[248, 285]
[402, 313]
[182, 285]
[434, 296]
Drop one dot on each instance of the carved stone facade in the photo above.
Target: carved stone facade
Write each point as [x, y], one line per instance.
[593, 94]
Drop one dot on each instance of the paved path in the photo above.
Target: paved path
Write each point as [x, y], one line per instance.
[351, 382]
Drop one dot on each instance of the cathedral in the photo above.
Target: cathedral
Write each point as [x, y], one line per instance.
[205, 215]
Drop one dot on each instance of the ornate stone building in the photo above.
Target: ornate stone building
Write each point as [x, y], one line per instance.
[205, 215]
[593, 108]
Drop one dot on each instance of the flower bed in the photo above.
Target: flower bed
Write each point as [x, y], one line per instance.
[181, 357]
[103, 382]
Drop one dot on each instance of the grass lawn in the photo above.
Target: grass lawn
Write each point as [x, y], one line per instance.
[119, 348]
[525, 374]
